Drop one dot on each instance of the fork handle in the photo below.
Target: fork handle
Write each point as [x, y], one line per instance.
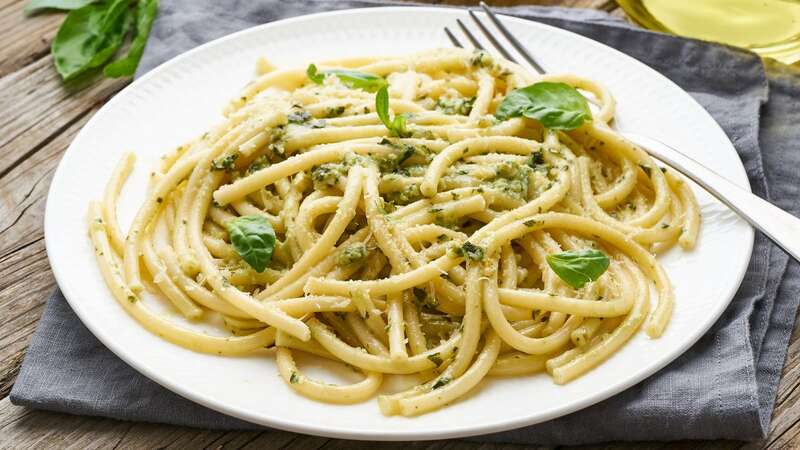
[778, 225]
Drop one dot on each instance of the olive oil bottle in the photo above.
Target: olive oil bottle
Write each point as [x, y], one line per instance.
[770, 28]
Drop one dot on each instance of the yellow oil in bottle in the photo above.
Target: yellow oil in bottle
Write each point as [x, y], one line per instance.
[768, 27]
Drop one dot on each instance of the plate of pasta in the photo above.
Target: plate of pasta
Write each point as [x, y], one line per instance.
[306, 232]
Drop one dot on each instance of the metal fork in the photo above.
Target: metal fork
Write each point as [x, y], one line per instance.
[778, 225]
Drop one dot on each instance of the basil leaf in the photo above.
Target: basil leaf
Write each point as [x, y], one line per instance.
[253, 239]
[382, 106]
[313, 75]
[441, 382]
[89, 36]
[472, 251]
[396, 127]
[145, 14]
[399, 126]
[579, 267]
[350, 78]
[558, 106]
[35, 6]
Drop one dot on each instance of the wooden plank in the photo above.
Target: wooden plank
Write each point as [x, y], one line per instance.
[44, 117]
[25, 277]
[41, 108]
[38, 31]
[785, 426]
[25, 428]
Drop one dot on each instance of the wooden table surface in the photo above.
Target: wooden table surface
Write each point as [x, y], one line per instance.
[38, 120]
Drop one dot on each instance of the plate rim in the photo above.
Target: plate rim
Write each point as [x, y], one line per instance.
[320, 429]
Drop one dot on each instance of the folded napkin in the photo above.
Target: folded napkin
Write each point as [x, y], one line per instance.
[723, 387]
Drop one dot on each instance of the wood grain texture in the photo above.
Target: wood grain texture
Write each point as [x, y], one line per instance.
[40, 117]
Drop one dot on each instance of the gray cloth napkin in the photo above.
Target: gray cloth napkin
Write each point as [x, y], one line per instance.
[723, 387]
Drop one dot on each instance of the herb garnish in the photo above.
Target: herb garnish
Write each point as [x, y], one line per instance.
[225, 163]
[93, 31]
[350, 78]
[441, 382]
[396, 127]
[537, 159]
[423, 299]
[558, 106]
[578, 267]
[335, 111]
[330, 174]
[481, 59]
[435, 358]
[471, 251]
[354, 253]
[298, 117]
[531, 222]
[462, 106]
[145, 14]
[36, 6]
[303, 117]
[253, 239]
[258, 164]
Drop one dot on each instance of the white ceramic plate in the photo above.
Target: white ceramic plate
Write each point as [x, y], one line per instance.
[184, 96]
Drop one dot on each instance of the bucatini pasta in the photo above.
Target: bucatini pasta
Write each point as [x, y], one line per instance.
[443, 214]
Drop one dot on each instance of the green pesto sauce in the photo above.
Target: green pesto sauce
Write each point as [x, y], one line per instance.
[352, 254]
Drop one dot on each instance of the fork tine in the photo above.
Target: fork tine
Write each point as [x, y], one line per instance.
[452, 38]
[495, 43]
[469, 35]
[514, 42]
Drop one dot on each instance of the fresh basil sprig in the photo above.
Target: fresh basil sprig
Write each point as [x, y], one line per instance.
[578, 267]
[558, 106]
[36, 6]
[90, 36]
[253, 239]
[351, 78]
[94, 30]
[146, 11]
[472, 251]
[396, 127]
